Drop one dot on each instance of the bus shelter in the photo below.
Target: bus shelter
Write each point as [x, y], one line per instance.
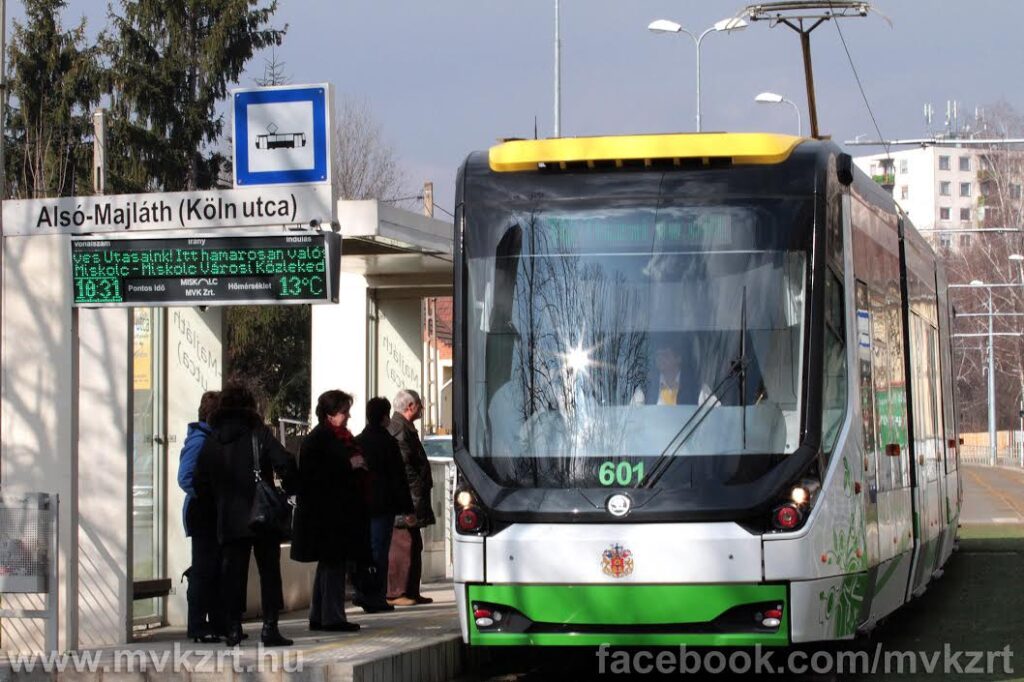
[96, 400]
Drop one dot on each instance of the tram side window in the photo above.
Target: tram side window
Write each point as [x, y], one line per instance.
[880, 394]
[867, 393]
[938, 431]
[923, 432]
[897, 387]
[948, 408]
[834, 389]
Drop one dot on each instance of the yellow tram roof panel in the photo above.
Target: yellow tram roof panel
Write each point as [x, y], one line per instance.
[739, 148]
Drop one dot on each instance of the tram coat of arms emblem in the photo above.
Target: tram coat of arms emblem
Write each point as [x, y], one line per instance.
[617, 561]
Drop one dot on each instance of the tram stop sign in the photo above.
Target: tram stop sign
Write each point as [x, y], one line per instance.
[282, 135]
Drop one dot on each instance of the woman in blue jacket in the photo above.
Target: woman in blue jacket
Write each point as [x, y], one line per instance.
[200, 519]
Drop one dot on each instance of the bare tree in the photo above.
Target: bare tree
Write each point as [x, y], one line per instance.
[987, 258]
[366, 169]
[365, 166]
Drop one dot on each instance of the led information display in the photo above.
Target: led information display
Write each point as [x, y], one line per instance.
[206, 270]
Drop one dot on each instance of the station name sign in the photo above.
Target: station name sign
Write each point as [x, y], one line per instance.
[206, 270]
[250, 207]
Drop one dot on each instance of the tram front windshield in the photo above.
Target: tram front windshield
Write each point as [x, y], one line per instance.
[635, 331]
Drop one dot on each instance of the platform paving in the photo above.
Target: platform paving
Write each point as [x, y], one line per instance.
[410, 644]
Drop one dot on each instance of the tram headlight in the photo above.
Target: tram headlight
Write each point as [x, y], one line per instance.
[791, 512]
[804, 492]
[463, 499]
[469, 517]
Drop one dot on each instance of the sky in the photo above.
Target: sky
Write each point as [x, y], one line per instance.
[447, 77]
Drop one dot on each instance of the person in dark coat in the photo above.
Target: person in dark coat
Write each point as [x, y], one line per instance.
[225, 474]
[200, 519]
[331, 526]
[388, 497]
[405, 561]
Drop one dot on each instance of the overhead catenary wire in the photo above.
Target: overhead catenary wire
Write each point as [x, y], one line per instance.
[860, 86]
[418, 197]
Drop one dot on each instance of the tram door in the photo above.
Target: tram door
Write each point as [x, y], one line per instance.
[148, 457]
[867, 411]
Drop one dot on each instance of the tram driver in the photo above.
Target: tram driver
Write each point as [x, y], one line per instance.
[670, 383]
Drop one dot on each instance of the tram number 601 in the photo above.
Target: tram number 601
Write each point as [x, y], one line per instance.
[621, 473]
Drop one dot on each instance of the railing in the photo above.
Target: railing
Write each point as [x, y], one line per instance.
[28, 556]
[982, 454]
[290, 433]
[442, 501]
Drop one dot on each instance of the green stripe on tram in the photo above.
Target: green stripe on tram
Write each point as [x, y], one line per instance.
[626, 606]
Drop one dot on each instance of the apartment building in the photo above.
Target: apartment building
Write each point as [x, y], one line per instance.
[938, 187]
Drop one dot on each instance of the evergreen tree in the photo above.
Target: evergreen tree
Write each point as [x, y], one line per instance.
[268, 349]
[171, 62]
[53, 79]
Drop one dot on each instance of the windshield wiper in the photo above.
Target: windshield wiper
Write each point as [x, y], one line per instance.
[737, 372]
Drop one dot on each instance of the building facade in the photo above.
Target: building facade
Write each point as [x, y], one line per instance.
[938, 187]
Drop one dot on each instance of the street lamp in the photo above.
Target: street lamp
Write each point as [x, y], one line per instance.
[772, 98]
[1020, 264]
[726, 25]
[991, 377]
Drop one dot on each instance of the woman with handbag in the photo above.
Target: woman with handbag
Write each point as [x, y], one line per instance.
[236, 470]
[331, 525]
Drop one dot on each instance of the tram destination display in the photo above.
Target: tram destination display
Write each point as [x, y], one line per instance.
[237, 270]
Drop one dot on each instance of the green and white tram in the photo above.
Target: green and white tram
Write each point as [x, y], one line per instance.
[702, 394]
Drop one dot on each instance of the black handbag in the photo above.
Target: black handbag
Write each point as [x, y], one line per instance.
[271, 513]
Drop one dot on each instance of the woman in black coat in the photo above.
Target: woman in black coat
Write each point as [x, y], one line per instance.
[225, 476]
[331, 525]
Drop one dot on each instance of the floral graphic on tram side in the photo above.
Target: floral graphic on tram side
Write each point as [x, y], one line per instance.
[841, 604]
[617, 561]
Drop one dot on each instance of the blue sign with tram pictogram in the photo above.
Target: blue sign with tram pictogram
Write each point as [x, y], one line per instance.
[281, 135]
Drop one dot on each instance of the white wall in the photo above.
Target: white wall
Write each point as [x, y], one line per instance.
[194, 366]
[104, 476]
[399, 345]
[36, 390]
[68, 432]
[339, 341]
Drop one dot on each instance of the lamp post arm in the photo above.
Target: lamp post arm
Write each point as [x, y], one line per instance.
[696, 42]
[799, 122]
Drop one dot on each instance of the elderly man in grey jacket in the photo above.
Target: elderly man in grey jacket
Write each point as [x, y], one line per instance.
[405, 560]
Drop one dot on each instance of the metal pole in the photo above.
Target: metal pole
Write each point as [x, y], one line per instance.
[698, 78]
[991, 386]
[799, 122]
[99, 151]
[558, 72]
[3, 162]
[812, 109]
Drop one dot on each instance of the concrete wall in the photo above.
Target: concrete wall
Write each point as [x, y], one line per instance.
[66, 429]
[104, 476]
[399, 345]
[36, 390]
[339, 354]
[194, 366]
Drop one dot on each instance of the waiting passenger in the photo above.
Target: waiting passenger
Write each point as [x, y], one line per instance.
[330, 519]
[388, 497]
[224, 476]
[405, 567]
[200, 518]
